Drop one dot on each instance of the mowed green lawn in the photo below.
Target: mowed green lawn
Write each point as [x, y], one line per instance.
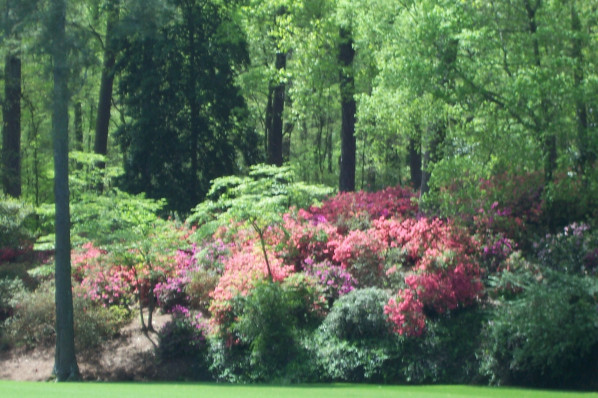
[9, 389]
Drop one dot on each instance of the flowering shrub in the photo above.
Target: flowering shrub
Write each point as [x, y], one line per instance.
[183, 336]
[360, 253]
[242, 270]
[346, 209]
[574, 250]
[306, 238]
[334, 280]
[101, 281]
[443, 275]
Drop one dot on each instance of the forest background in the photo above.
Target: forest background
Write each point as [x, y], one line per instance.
[483, 111]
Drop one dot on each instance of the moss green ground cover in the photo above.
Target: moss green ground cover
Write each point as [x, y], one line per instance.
[10, 389]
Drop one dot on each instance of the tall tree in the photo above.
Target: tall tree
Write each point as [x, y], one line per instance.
[65, 365]
[11, 109]
[348, 110]
[275, 111]
[184, 111]
[107, 80]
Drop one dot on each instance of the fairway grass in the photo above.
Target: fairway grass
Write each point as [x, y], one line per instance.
[10, 389]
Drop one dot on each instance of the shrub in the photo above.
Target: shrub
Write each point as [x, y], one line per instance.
[9, 288]
[355, 343]
[358, 315]
[16, 237]
[334, 280]
[354, 210]
[547, 335]
[444, 353]
[441, 275]
[270, 323]
[361, 253]
[571, 251]
[34, 319]
[352, 361]
[182, 337]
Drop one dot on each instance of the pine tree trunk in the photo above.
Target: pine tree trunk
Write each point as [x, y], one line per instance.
[106, 84]
[11, 131]
[415, 163]
[275, 131]
[348, 110]
[65, 365]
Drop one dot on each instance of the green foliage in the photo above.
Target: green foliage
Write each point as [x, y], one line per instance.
[350, 361]
[358, 315]
[113, 216]
[271, 320]
[444, 353]
[33, 322]
[185, 117]
[546, 335]
[354, 343]
[260, 199]
[9, 289]
[16, 228]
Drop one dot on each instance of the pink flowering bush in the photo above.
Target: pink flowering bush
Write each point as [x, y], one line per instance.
[335, 280]
[442, 272]
[345, 207]
[306, 237]
[101, 281]
[360, 253]
[242, 270]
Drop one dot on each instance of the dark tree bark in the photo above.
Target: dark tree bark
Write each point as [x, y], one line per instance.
[11, 129]
[432, 153]
[415, 163]
[106, 83]
[276, 124]
[78, 126]
[65, 365]
[348, 110]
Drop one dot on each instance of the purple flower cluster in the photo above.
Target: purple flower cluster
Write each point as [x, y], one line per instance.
[335, 280]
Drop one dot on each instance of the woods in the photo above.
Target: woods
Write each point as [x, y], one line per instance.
[189, 142]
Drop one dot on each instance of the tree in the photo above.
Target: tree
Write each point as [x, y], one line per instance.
[65, 365]
[11, 129]
[348, 111]
[107, 81]
[185, 115]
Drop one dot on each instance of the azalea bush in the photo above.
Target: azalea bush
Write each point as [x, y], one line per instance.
[573, 250]
[442, 272]
[183, 337]
[272, 283]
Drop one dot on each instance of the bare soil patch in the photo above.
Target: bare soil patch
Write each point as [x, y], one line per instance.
[131, 356]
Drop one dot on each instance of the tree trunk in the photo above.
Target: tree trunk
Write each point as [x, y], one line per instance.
[11, 132]
[275, 131]
[78, 126]
[432, 153]
[586, 154]
[106, 83]
[415, 163]
[348, 110]
[65, 365]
